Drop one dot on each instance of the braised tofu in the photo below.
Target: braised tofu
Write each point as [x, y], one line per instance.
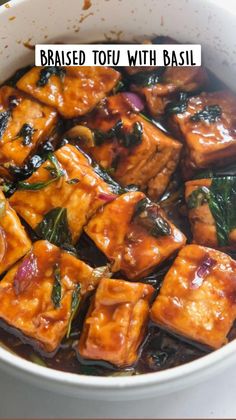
[208, 128]
[171, 81]
[134, 234]
[73, 91]
[197, 297]
[24, 123]
[65, 181]
[116, 322]
[211, 210]
[132, 148]
[36, 294]
[14, 242]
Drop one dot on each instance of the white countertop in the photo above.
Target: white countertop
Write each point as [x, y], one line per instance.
[212, 399]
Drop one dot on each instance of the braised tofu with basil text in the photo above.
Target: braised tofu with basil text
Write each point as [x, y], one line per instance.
[73, 91]
[211, 210]
[130, 147]
[14, 241]
[207, 124]
[65, 187]
[134, 234]
[24, 124]
[117, 216]
[40, 295]
[116, 322]
[197, 298]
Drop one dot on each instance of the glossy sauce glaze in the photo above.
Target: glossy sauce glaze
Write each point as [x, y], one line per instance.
[160, 350]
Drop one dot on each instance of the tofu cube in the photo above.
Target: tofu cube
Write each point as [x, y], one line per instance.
[14, 242]
[128, 241]
[73, 91]
[24, 123]
[172, 81]
[36, 295]
[149, 162]
[79, 190]
[115, 324]
[208, 128]
[198, 296]
[205, 229]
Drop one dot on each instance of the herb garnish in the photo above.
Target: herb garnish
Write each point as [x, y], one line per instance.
[75, 302]
[47, 72]
[179, 106]
[56, 290]
[146, 214]
[55, 171]
[221, 198]
[54, 227]
[147, 78]
[26, 132]
[115, 187]
[198, 197]
[210, 113]
[4, 118]
[126, 139]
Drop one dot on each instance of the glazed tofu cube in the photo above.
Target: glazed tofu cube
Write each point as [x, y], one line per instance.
[197, 297]
[208, 128]
[172, 80]
[68, 182]
[134, 234]
[115, 324]
[138, 153]
[14, 242]
[73, 91]
[24, 123]
[211, 211]
[36, 295]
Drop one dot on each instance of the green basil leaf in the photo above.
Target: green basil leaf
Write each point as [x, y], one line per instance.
[147, 78]
[56, 290]
[198, 197]
[26, 132]
[179, 106]
[146, 215]
[75, 302]
[4, 118]
[210, 113]
[54, 227]
[47, 72]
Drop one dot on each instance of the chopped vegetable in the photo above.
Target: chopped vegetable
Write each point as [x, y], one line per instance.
[4, 118]
[134, 100]
[75, 302]
[179, 106]
[146, 214]
[47, 72]
[26, 132]
[54, 227]
[210, 114]
[203, 270]
[26, 272]
[198, 197]
[56, 290]
[147, 78]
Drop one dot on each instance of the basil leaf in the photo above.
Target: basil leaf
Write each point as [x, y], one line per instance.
[221, 198]
[56, 290]
[128, 140]
[135, 137]
[54, 227]
[198, 197]
[115, 187]
[101, 136]
[179, 106]
[26, 132]
[75, 302]
[222, 205]
[4, 118]
[55, 170]
[47, 72]
[147, 78]
[146, 215]
[210, 113]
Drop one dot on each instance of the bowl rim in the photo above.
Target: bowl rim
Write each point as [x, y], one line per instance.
[110, 382]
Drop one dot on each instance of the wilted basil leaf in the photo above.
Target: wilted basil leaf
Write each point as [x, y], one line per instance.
[210, 113]
[56, 290]
[75, 302]
[47, 72]
[54, 227]
[4, 118]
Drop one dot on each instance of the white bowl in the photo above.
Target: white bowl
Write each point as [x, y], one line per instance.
[197, 21]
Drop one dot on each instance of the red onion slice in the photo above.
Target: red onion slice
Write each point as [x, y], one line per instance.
[203, 270]
[25, 273]
[107, 197]
[134, 101]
